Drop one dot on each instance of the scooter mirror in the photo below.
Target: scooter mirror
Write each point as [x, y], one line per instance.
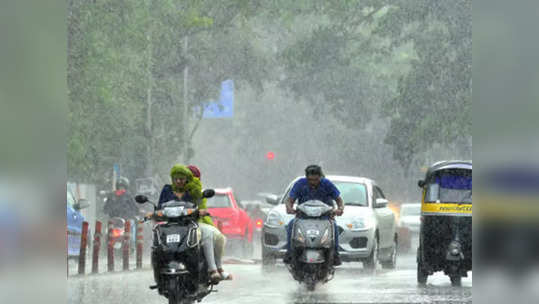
[141, 199]
[208, 193]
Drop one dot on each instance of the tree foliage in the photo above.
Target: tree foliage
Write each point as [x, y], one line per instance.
[405, 64]
[409, 61]
[127, 60]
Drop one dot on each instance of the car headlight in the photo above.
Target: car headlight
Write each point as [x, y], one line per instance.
[361, 223]
[274, 219]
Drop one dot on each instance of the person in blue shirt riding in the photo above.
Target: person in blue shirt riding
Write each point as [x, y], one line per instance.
[314, 186]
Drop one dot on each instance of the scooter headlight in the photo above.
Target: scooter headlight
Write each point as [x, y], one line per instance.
[299, 236]
[325, 238]
[172, 212]
[176, 265]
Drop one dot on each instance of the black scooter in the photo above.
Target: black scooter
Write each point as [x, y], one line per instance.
[180, 269]
[312, 244]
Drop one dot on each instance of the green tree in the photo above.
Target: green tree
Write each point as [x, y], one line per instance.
[409, 61]
[137, 69]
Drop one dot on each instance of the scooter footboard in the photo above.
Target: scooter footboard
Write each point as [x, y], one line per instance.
[312, 256]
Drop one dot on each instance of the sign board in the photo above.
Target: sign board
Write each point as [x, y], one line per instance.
[224, 107]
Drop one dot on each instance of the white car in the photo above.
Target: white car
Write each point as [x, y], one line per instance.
[367, 229]
[410, 217]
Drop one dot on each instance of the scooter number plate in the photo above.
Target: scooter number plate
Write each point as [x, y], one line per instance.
[173, 238]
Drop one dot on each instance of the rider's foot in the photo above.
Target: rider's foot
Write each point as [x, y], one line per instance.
[337, 260]
[225, 275]
[215, 277]
[287, 258]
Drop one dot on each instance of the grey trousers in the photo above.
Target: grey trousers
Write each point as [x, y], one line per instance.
[213, 245]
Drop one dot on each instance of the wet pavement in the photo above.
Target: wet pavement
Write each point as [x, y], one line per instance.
[252, 285]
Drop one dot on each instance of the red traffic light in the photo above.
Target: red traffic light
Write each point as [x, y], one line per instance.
[270, 155]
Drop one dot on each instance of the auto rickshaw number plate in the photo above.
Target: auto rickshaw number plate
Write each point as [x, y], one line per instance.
[173, 238]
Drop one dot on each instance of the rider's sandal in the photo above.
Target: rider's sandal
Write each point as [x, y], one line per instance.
[225, 275]
[215, 276]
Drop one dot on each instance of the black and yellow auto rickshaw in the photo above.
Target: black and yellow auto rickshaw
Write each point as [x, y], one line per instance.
[445, 240]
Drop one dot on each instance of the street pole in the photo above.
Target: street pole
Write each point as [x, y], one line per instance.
[149, 145]
[185, 120]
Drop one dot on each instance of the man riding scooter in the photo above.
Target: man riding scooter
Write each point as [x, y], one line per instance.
[120, 203]
[120, 206]
[314, 186]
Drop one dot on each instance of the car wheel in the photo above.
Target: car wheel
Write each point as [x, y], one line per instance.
[247, 247]
[392, 263]
[372, 260]
[268, 260]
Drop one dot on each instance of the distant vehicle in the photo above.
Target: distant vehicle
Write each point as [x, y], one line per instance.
[117, 234]
[410, 217]
[367, 229]
[74, 221]
[408, 225]
[258, 211]
[232, 220]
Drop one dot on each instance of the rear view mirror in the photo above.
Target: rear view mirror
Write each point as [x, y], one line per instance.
[420, 183]
[141, 199]
[272, 199]
[81, 204]
[381, 203]
[208, 193]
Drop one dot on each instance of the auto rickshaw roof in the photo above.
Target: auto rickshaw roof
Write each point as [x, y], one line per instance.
[448, 164]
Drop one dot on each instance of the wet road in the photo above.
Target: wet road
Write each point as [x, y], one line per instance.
[350, 285]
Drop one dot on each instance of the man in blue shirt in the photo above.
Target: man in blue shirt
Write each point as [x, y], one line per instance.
[314, 186]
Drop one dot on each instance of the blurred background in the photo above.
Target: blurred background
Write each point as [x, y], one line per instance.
[505, 111]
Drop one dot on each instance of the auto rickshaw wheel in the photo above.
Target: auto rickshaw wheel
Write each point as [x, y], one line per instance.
[422, 275]
[247, 247]
[456, 280]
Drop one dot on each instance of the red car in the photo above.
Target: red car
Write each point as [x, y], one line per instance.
[232, 220]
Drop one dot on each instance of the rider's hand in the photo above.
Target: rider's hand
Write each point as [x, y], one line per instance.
[339, 212]
[203, 212]
[290, 210]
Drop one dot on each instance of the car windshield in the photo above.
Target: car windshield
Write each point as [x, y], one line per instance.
[411, 210]
[218, 201]
[453, 186]
[353, 194]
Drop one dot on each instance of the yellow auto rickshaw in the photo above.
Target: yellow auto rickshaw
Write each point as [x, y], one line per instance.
[445, 236]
